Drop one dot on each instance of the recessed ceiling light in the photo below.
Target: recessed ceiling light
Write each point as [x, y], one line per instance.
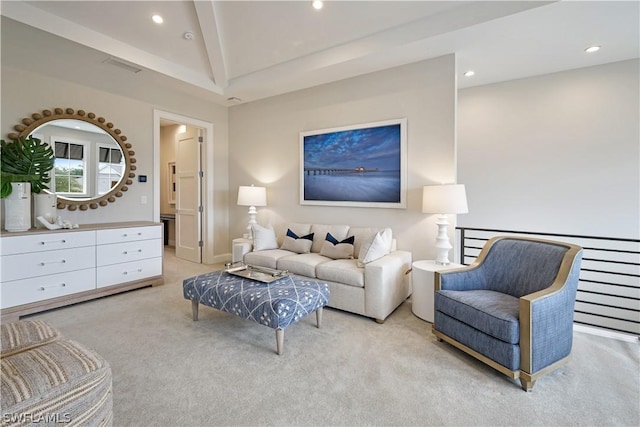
[157, 19]
[317, 4]
[469, 73]
[592, 49]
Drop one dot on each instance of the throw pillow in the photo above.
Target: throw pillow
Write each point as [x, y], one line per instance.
[300, 245]
[263, 238]
[379, 246]
[332, 248]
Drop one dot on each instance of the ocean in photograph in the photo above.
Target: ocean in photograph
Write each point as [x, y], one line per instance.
[374, 187]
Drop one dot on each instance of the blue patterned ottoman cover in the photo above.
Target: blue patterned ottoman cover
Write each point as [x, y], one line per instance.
[277, 304]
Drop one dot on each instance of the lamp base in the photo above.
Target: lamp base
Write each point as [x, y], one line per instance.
[442, 241]
[252, 220]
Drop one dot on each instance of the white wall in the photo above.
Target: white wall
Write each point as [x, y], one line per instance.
[25, 93]
[556, 153]
[264, 146]
[167, 154]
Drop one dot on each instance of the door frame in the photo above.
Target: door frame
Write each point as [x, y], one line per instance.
[207, 182]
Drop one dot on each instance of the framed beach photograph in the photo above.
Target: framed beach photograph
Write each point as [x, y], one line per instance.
[360, 165]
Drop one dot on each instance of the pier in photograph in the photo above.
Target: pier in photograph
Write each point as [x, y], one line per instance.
[336, 171]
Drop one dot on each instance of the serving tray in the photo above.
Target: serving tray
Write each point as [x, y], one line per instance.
[253, 272]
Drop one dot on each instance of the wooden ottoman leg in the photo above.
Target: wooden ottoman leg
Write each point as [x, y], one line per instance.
[194, 309]
[279, 341]
[319, 317]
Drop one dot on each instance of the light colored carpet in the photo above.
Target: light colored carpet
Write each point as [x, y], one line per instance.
[223, 370]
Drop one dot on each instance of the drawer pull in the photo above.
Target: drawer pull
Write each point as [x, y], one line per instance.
[126, 235]
[139, 270]
[44, 288]
[62, 261]
[127, 252]
[53, 241]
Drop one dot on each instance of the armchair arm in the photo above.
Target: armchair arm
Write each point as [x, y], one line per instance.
[546, 318]
[461, 279]
[386, 283]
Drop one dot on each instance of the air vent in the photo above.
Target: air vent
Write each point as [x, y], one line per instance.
[122, 64]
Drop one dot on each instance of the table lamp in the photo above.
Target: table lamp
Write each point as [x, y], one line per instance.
[251, 196]
[444, 199]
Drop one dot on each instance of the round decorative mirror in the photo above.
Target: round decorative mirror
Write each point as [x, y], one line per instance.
[94, 164]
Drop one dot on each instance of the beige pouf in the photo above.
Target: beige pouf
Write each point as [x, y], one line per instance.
[48, 380]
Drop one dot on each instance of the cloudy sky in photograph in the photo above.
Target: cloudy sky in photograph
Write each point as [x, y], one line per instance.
[374, 147]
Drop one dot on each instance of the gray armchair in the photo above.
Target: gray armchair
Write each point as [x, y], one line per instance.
[513, 307]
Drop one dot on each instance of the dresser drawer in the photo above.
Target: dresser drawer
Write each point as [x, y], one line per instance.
[120, 235]
[25, 291]
[128, 272]
[131, 251]
[23, 266]
[46, 242]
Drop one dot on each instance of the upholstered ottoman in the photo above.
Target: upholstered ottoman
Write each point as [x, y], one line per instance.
[277, 304]
[48, 380]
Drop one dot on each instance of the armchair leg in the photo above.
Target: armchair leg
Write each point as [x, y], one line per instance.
[527, 385]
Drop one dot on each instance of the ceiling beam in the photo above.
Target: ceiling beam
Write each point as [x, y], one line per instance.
[38, 18]
[211, 35]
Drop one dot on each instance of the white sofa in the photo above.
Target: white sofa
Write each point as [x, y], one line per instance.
[371, 278]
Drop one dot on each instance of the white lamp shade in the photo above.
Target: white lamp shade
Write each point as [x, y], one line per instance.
[444, 199]
[252, 196]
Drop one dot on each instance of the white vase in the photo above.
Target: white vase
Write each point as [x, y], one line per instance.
[44, 205]
[17, 207]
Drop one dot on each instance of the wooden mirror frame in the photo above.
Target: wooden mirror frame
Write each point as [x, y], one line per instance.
[28, 125]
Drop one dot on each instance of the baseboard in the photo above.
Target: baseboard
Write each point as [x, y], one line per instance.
[605, 333]
[221, 259]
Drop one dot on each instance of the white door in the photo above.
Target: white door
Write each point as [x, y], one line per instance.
[188, 198]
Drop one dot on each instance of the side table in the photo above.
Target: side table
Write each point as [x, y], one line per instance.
[239, 247]
[424, 288]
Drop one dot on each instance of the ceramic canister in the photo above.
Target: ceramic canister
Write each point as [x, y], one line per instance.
[17, 207]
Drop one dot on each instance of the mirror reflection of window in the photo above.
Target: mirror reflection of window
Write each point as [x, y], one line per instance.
[110, 168]
[91, 169]
[69, 168]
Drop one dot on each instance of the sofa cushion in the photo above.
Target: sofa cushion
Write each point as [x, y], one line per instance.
[263, 238]
[320, 231]
[491, 312]
[378, 246]
[302, 264]
[267, 258]
[298, 244]
[334, 249]
[341, 271]
[24, 335]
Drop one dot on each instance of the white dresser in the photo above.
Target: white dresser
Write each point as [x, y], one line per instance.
[43, 269]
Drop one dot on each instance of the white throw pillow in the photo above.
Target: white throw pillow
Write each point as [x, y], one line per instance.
[376, 248]
[332, 248]
[263, 238]
[300, 245]
[339, 251]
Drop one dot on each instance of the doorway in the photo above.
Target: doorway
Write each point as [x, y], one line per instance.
[181, 145]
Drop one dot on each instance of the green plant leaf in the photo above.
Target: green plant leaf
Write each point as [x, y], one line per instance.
[25, 159]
